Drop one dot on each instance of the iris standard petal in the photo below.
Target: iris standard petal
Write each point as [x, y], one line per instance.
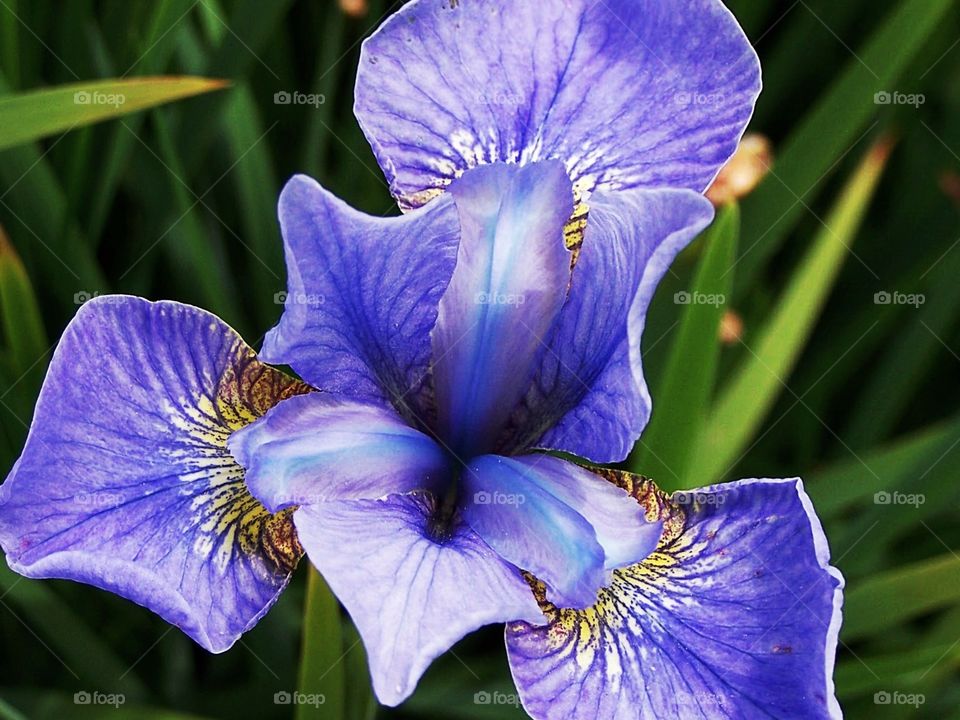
[508, 505]
[363, 294]
[126, 483]
[411, 593]
[508, 287]
[314, 448]
[589, 396]
[627, 93]
[736, 614]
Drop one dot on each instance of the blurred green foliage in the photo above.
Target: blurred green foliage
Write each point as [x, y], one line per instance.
[828, 380]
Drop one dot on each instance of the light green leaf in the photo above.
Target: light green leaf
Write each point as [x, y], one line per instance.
[682, 402]
[33, 115]
[756, 384]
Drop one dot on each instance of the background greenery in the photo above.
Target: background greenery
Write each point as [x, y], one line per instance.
[856, 397]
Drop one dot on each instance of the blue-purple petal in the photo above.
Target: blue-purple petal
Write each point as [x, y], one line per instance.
[508, 287]
[126, 482]
[362, 295]
[627, 93]
[507, 503]
[412, 591]
[589, 396]
[314, 448]
[736, 614]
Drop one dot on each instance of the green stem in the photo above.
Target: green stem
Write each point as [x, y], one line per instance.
[322, 676]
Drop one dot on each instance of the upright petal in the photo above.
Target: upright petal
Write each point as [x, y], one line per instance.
[627, 93]
[411, 591]
[508, 287]
[363, 294]
[314, 449]
[126, 483]
[589, 396]
[735, 615]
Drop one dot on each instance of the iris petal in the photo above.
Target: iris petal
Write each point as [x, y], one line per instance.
[736, 614]
[314, 449]
[411, 593]
[509, 505]
[589, 396]
[363, 295]
[126, 483]
[627, 93]
[508, 287]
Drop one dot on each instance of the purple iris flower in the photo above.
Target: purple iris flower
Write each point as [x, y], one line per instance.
[550, 158]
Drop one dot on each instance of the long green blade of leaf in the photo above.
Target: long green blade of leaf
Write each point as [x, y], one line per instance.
[683, 400]
[33, 115]
[894, 597]
[831, 129]
[742, 406]
[23, 332]
[322, 675]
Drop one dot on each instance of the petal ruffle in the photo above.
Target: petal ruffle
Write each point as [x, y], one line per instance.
[736, 614]
[507, 289]
[126, 483]
[589, 397]
[412, 593]
[314, 449]
[627, 93]
[363, 294]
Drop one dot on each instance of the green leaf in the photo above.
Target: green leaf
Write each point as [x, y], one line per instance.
[756, 384]
[23, 332]
[33, 115]
[322, 672]
[682, 403]
[841, 486]
[894, 597]
[831, 129]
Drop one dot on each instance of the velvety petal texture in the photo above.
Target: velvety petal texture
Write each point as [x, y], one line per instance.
[314, 449]
[589, 396]
[626, 93]
[363, 294]
[126, 482]
[508, 287]
[735, 615]
[412, 593]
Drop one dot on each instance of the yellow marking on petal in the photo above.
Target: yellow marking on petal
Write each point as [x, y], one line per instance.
[230, 520]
